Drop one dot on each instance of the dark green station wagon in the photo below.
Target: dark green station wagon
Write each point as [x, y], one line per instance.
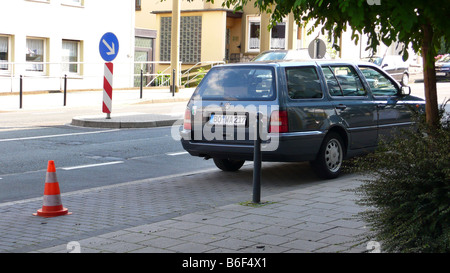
[316, 111]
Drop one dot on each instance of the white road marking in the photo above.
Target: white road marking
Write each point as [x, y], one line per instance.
[91, 165]
[179, 153]
[51, 136]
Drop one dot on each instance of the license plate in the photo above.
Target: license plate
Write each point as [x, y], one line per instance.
[440, 74]
[238, 120]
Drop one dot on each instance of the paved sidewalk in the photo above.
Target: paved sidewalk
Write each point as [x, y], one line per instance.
[298, 214]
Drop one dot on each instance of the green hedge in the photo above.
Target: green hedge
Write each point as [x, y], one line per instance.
[407, 190]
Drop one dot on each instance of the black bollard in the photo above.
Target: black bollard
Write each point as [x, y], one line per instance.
[65, 90]
[257, 163]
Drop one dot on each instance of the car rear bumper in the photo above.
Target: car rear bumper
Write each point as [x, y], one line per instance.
[283, 147]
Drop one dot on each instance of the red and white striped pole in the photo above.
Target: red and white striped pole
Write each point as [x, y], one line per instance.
[107, 89]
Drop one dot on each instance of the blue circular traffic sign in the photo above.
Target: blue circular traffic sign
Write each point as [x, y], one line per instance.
[109, 46]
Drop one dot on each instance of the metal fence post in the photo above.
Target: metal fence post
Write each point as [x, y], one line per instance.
[173, 84]
[21, 92]
[65, 89]
[142, 82]
[257, 163]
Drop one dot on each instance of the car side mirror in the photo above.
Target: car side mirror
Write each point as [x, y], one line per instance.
[384, 65]
[406, 90]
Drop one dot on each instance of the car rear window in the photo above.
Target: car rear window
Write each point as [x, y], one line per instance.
[238, 83]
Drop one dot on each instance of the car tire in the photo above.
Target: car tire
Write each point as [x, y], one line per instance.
[328, 163]
[228, 165]
[405, 79]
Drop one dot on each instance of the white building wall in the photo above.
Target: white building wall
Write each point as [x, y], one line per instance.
[55, 21]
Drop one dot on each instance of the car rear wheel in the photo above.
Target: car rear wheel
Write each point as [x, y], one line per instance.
[228, 165]
[328, 163]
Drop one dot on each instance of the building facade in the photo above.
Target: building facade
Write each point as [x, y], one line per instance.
[44, 40]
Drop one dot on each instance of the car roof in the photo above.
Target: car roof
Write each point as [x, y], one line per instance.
[290, 63]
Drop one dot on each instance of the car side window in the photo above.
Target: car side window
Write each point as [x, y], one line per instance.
[343, 81]
[303, 83]
[379, 84]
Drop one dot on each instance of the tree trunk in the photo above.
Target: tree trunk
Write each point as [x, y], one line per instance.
[429, 78]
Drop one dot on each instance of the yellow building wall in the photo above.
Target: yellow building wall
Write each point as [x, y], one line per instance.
[146, 20]
[213, 36]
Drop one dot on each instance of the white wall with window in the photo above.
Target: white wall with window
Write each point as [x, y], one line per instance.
[44, 40]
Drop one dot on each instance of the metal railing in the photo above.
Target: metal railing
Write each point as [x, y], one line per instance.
[88, 75]
[199, 64]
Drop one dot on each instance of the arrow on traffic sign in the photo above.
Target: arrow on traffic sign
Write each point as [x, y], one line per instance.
[109, 46]
[112, 50]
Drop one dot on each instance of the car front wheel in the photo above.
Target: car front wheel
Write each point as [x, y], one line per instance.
[328, 163]
[228, 165]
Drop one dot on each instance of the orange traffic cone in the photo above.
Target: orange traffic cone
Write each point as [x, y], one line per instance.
[52, 197]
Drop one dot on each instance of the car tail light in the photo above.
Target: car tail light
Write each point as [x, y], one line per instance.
[187, 119]
[279, 122]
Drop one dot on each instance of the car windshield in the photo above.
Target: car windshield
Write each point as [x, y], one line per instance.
[237, 83]
[270, 56]
[376, 60]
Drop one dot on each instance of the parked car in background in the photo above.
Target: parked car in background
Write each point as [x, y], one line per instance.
[442, 67]
[394, 65]
[278, 55]
[317, 111]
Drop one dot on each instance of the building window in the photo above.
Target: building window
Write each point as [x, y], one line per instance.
[138, 4]
[35, 54]
[166, 38]
[4, 53]
[278, 36]
[254, 34]
[190, 38]
[143, 55]
[70, 56]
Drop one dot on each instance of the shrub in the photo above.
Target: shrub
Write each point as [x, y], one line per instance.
[406, 189]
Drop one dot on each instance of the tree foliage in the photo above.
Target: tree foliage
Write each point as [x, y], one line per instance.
[382, 20]
[419, 23]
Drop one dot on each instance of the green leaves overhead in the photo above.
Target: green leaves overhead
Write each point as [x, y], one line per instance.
[390, 21]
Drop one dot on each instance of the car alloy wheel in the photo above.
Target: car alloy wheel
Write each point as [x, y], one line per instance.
[328, 163]
[333, 155]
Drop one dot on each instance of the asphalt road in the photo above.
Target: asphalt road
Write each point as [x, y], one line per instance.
[87, 158]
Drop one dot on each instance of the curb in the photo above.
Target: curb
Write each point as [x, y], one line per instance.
[111, 124]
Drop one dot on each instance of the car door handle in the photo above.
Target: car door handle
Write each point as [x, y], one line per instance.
[341, 106]
[381, 106]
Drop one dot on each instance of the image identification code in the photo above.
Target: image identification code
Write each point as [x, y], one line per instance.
[229, 263]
